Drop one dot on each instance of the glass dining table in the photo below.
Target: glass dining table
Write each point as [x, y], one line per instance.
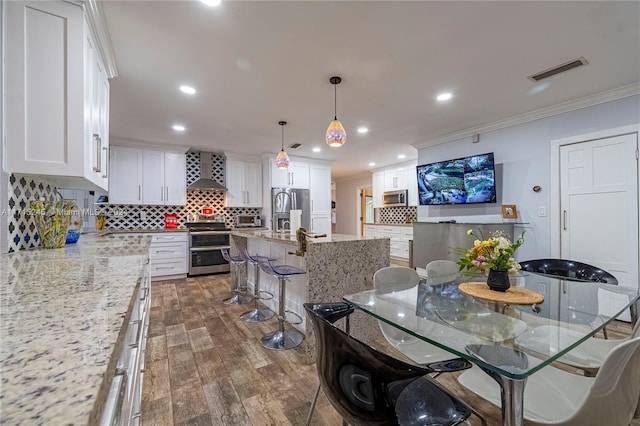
[505, 341]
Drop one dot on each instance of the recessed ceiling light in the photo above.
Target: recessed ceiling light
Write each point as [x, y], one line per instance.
[362, 130]
[371, 164]
[212, 2]
[316, 149]
[444, 96]
[188, 90]
[401, 156]
[179, 127]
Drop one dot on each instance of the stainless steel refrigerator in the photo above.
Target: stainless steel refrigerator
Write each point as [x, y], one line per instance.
[283, 200]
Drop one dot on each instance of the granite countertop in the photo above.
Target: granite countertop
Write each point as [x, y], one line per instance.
[141, 230]
[390, 224]
[285, 237]
[61, 314]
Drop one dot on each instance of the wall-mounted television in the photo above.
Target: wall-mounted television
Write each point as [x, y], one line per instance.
[466, 180]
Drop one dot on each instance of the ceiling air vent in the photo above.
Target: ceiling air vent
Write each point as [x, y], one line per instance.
[295, 145]
[558, 69]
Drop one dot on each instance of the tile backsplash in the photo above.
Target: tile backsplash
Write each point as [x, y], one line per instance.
[22, 228]
[398, 214]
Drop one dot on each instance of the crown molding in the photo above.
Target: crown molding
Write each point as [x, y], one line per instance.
[98, 27]
[587, 101]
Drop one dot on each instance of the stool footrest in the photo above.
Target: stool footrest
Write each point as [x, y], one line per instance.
[268, 296]
[298, 321]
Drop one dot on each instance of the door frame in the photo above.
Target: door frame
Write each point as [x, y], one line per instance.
[554, 184]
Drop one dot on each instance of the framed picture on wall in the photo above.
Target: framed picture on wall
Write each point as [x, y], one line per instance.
[509, 211]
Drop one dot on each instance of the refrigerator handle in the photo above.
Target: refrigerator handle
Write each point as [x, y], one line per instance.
[294, 201]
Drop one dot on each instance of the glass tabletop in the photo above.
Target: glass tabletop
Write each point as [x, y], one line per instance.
[498, 337]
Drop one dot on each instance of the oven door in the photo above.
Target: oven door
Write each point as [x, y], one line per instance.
[207, 260]
[205, 255]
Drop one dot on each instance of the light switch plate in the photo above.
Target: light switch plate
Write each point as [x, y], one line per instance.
[542, 211]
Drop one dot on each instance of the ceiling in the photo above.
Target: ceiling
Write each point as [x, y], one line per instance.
[255, 63]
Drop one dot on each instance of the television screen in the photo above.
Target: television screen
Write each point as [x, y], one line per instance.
[465, 180]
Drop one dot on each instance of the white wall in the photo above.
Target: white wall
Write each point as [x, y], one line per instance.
[347, 202]
[522, 156]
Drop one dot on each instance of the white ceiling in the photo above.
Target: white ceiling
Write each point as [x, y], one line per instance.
[257, 62]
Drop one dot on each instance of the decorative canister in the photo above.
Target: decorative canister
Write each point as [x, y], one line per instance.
[52, 221]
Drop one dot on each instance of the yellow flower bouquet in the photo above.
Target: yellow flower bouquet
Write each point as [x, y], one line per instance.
[494, 253]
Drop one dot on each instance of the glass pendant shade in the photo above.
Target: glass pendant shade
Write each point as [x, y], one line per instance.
[335, 136]
[282, 160]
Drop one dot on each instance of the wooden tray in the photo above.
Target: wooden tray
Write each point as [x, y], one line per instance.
[513, 296]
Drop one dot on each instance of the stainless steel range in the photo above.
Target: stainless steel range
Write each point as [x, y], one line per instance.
[207, 237]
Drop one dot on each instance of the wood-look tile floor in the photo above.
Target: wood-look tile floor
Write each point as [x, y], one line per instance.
[204, 366]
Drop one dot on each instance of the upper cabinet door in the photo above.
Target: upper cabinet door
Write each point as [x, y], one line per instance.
[320, 189]
[296, 176]
[153, 191]
[235, 183]
[253, 184]
[126, 171]
[378, 188]
[175, 179]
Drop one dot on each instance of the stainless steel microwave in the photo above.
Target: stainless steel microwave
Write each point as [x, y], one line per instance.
[248, 221]
[395, 198]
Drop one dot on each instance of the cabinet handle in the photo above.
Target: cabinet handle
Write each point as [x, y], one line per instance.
[564, 219]
[106, 156]
[162, 193]
[167, 197]
[97, 145]
[139, 192]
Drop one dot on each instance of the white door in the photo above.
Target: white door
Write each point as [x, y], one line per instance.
[599, 206]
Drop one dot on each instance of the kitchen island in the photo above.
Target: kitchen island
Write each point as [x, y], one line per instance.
[335, 266]
[64, 314]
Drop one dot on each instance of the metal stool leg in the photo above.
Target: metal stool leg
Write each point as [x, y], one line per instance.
[281, 340]
[238, 298]
[257, 314]
[313, 406]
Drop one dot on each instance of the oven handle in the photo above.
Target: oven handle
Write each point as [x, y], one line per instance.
[209, 232]
[214, 248]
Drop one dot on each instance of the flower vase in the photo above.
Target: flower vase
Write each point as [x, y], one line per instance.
[498, 280]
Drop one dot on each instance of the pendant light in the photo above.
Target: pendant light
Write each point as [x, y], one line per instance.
[335, 136]
[282, 160]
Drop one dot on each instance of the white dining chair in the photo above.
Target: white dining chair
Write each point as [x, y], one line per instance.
[442, 271]
[588, 356]
[556, 397]
[398, 278]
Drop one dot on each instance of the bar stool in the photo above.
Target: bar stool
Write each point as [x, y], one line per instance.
[256, 314]
[280, 339]
[238, 298]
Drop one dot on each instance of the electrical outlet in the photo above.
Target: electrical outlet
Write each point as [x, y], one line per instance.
[143, 215]
[542, 211]
[542, 288]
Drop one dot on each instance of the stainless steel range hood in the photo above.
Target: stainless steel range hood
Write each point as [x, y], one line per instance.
[206, 181]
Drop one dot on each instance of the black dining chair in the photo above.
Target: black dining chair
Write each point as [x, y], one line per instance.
[572, 270]
[368, 387]
[568, 269]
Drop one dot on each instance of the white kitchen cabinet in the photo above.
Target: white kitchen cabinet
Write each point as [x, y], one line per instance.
[321, 224]
[244, 184]
[378, 189]
[147, 177]
[371, 231]
[296, 176]
[320, 189]
[59, 95]
[399, 236]
[125, 169]
[395, 180]
[168, 255]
